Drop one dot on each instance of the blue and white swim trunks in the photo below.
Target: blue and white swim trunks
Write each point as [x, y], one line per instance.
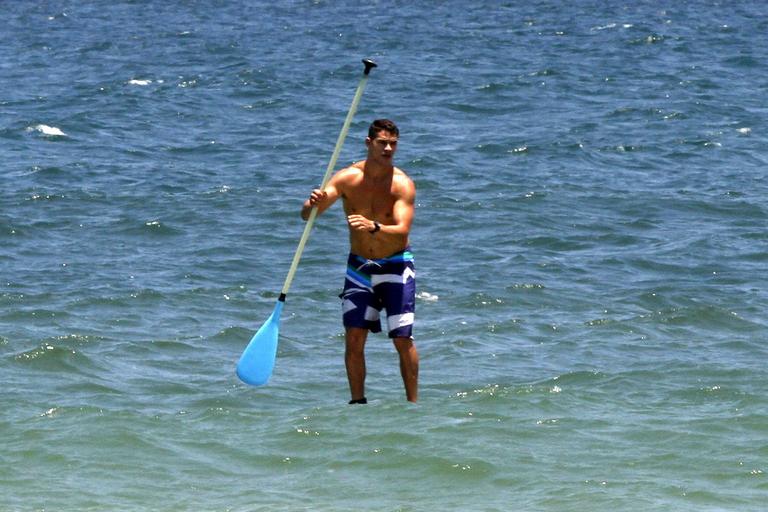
[372, 285]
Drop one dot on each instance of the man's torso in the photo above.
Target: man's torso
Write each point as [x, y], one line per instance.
[374, 199]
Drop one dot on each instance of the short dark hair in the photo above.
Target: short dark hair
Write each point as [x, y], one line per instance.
[382, 125]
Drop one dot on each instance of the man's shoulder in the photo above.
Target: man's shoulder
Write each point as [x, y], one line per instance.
[401, 173]
[347, 175]
[353, 170]
[401, 176]
[404, 186]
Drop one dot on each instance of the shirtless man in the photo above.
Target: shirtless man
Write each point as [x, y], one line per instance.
[379, 203]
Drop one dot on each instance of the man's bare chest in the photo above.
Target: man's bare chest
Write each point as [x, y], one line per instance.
[371, 200]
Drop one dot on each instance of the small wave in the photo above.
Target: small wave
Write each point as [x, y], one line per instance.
[185, 84]
[427, 297]
[204, 148]
[79, 339]
[578, 376]
[45, 197]
[469, 108]
[149, 227]
[674, 115]
[51, 413]
[90, 387]
[234, 334]
[706, 317]
[715, 392]
[140, 82]
[601, 322]
[701, 143]
[492, 149]
[58, 16]
[743, 61]
[53, 358]
[491, 392]
[172, 346]
[610, 26]
[621, 148]
[425, 162]
[48, 131]
[649, 39]
[604, 27]
[526, 286]
[493, 87]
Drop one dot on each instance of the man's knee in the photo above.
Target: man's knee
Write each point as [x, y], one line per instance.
[355, 339]
[403, 344]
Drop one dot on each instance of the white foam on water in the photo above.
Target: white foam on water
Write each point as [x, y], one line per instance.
[605, 27]
[50, 131]
[426, 296]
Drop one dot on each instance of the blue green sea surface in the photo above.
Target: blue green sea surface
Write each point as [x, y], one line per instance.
[590, 243]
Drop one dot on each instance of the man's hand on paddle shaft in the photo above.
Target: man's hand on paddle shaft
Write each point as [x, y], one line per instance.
[319, 198]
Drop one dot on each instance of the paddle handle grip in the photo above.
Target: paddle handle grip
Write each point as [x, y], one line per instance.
[369, 64]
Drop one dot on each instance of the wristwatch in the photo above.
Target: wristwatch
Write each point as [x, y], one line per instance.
[376, 227]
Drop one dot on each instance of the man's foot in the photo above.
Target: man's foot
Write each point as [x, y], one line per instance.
[359, 401]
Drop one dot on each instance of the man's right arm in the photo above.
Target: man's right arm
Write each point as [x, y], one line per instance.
[323, 199]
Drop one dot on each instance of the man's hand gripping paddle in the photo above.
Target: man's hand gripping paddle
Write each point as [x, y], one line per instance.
[258, 359]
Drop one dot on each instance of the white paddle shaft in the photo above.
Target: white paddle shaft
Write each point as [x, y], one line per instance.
[326, 178]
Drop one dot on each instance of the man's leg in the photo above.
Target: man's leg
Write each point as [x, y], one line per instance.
[354, 359]
[409, 367]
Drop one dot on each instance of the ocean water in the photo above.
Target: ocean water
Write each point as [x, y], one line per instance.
[590, 243]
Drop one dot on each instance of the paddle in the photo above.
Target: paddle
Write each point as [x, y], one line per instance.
[258, 359]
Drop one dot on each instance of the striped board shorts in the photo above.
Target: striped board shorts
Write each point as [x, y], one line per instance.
[372, 285]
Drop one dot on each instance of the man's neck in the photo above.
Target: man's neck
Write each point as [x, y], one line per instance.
[377, 171]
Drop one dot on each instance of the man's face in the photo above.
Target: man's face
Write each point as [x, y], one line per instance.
[383, 146]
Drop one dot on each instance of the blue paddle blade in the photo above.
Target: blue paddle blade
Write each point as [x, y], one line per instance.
[258, 359]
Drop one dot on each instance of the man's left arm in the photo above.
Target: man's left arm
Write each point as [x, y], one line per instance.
[402, 211]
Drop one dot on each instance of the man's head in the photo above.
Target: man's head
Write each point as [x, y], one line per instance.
[380, 125]
[382, 141]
